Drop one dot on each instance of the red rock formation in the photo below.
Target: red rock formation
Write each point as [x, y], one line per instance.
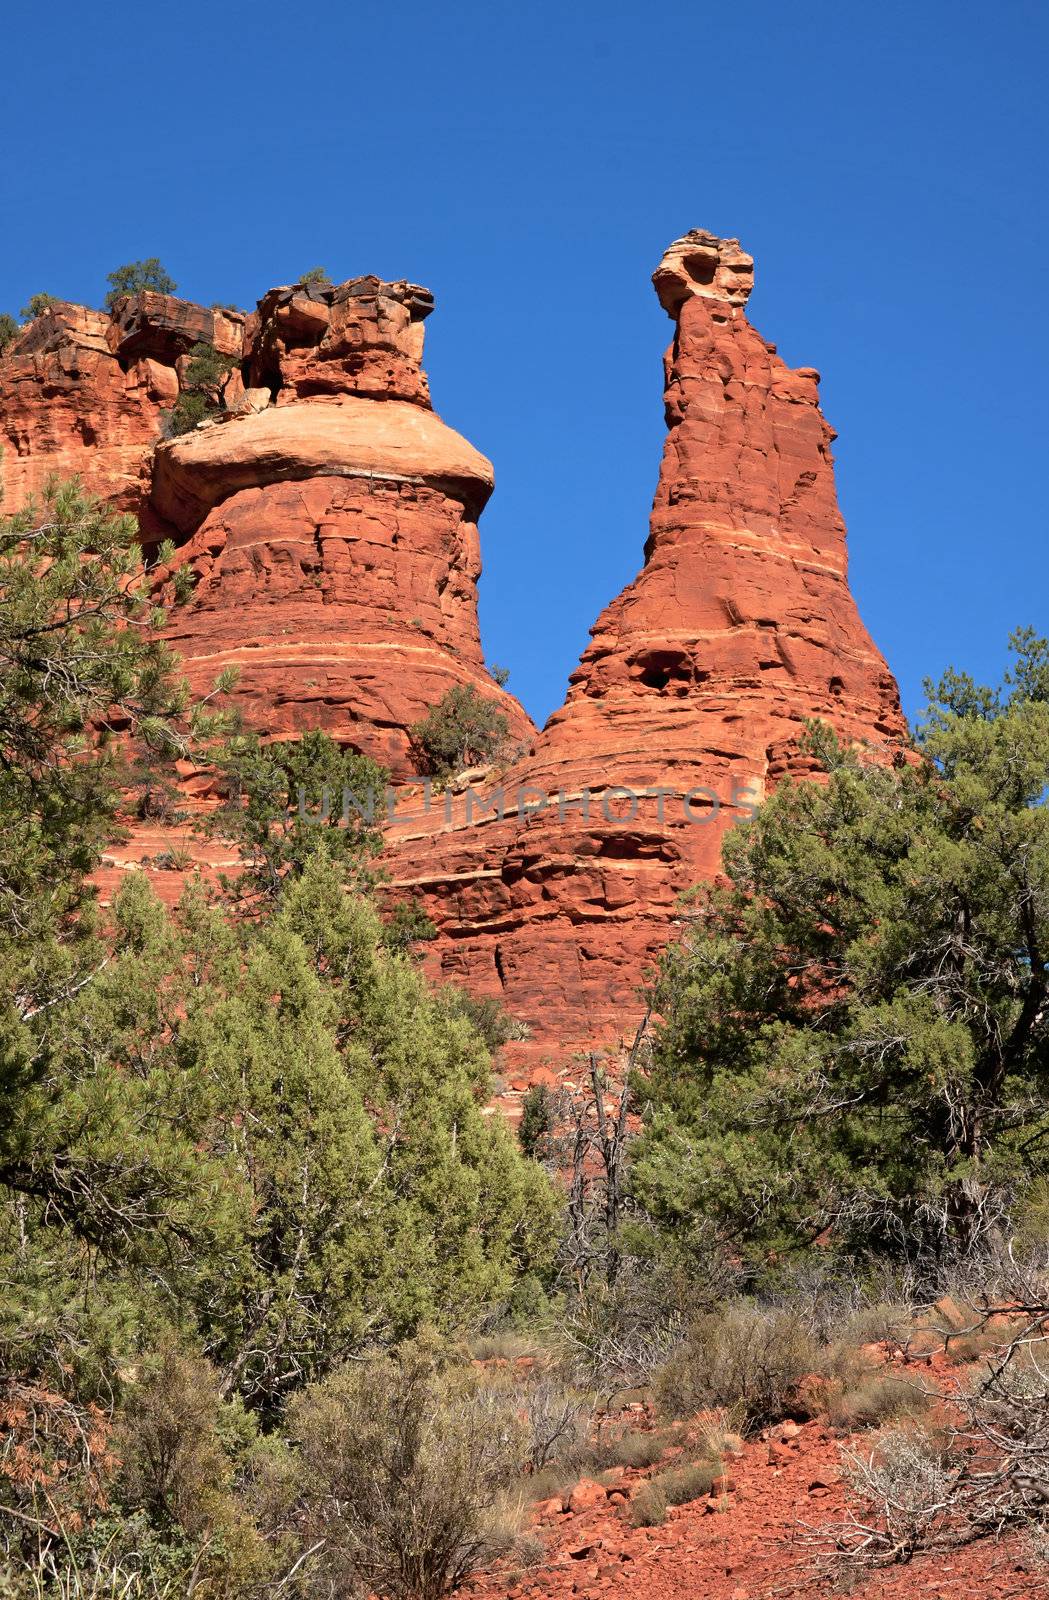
[82, 392]
[363, 337]
[697, 678]
[332, 533]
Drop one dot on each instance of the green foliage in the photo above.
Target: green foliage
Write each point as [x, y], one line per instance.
[173, 1462]
[537, 1119]
[280, 1133]
[136, 276]
[500, 675]
[201, 390]
[285, 801]
[462, 730]
[856, 1032]
[38, 304]
[408, 925]
[485, 1013]
[78, 662]
[190, 408]
[316, 276]
[206, 367]
[232, 1155]
[8, 329]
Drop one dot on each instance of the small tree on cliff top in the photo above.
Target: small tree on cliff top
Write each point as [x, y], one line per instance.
[37, 305]
[856, 1031]
[135, 276]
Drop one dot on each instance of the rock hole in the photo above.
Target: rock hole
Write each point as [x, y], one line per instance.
[700, 267]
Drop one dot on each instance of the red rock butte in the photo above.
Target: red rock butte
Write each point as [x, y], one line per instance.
[328, 518]
[331, 526]
[696, 683]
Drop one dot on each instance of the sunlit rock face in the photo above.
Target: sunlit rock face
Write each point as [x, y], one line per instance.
[691, 695]
[83, 393]
[330, 525]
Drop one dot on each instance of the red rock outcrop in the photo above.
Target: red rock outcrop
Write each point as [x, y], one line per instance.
[691, 695]
[329, 521]
[82, 392]
[331, 527]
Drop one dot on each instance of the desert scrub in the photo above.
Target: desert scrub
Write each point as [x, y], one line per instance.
[873, 1401]
[636, 1448]
[649, 1507]
[406, 1464]
[744, 1357]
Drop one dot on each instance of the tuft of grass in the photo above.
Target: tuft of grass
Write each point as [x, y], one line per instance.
[693, 1481]
[873, 1401]
[649, 1507]
[886, 1322]
[549, 1483]
[529, 1550]
[637, 1449]
[504, 1346]
[965, 1348]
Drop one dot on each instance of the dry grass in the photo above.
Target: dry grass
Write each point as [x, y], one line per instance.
[744, 1357]
[873, 1401]
[648, 1507]
[693, 1481]
[638, 1449]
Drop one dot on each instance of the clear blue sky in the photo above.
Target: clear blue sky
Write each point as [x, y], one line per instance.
[884, 164]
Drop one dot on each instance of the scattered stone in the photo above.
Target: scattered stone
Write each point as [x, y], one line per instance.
[585, 1496]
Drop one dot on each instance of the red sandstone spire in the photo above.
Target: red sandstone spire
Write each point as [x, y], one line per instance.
[739, 626]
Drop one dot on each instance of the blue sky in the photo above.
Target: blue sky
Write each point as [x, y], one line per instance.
[529, 163]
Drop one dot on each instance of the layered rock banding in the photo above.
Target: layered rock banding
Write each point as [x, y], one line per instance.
[83, 392]
[328, 520]
[331, 528]
[697, 682]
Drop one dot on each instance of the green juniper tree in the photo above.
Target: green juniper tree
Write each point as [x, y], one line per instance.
[37, 305]
[201, 394]
[286, 800]
[135, 276]
[855, 1044]
[461, 730]
[262, 1142]
[81, 660]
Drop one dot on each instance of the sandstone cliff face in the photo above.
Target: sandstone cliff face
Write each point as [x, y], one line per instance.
[331, 527]
[696, 683]
[329, 521]
[82, 392]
